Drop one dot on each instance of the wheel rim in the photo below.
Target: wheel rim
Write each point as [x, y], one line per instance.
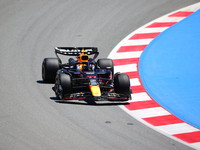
[58, 89]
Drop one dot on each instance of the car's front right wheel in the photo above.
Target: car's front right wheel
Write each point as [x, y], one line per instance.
[122, 84]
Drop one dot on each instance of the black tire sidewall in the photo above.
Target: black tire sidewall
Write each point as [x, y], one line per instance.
[122, 84]
[103, 63]
[49, 68]
[64, 80]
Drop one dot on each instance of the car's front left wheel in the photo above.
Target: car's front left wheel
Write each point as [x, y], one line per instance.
[63, 86]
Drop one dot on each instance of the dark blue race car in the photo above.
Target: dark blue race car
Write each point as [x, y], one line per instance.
[84, 78]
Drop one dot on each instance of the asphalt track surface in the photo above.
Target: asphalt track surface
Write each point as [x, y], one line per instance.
[31, 117]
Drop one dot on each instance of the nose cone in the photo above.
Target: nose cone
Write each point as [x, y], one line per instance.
[95, 90]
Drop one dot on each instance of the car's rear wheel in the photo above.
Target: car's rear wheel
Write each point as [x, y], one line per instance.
[106, 63]
[122, 84]
[63, 85]
[49, 69]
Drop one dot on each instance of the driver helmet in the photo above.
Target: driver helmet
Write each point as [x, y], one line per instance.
[83, 57]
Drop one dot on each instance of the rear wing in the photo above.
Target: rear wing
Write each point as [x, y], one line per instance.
[76, 51]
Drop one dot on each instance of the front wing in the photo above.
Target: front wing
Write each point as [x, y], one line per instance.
[104, 96]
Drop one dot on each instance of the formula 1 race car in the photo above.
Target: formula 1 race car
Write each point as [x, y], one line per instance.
[85, 78]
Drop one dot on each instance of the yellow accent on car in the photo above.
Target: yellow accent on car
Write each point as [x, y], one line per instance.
[95, 90]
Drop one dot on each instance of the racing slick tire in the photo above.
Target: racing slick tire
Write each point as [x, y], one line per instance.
[104, 63]
[49, 69]
[122, 84]
[63, 85]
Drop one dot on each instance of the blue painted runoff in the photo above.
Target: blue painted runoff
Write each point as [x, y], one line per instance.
[169, 69]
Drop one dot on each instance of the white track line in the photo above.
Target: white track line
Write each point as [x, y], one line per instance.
[143, 96]
[126, 55]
